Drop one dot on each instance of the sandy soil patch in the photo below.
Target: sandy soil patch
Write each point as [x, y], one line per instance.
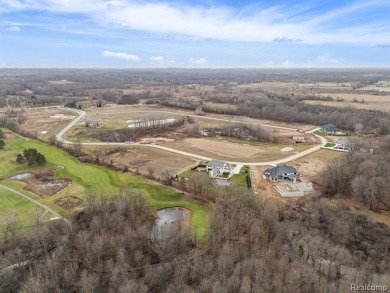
[148, 140]
[287, 149]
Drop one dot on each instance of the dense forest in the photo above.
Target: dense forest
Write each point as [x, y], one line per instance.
[364, 176]
[253, 247]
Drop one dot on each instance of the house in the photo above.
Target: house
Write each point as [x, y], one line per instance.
[217, 167]
[329, 128]
[343, 145]
[92, 124]
[282, 172]
[299, 139]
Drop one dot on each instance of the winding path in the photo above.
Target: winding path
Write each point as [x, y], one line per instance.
[82, 114]
[46, 208]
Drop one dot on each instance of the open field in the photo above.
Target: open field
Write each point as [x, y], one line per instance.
[40, 123]
[226, 150]
[116, 117]
[364, 101]
[143, 158]
[346, 91]
[96, 179]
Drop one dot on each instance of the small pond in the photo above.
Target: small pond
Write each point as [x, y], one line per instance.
[21, 176]
[170, 218]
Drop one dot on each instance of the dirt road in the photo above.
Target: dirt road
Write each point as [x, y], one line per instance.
[59, 137]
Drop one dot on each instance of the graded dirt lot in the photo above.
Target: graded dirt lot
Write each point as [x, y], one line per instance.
[310, 166]
[226, 150]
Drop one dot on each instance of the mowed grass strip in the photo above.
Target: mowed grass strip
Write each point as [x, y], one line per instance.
[13, 204]
[100, 180]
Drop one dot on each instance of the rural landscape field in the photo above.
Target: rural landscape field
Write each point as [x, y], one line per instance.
[194, 146]
[196, 168]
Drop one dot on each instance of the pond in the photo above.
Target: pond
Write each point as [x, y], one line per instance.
[22, 176]
[170, 219]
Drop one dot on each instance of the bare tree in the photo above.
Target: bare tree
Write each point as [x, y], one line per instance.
[151, 171]
[167, 176]
[9, 224]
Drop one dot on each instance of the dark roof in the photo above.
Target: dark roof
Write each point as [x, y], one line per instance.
[280, 170]
[329, 127]
[218, 164]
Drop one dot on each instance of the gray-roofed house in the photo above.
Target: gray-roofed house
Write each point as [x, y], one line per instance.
[282, 172]
[329, 128]
[217, 167]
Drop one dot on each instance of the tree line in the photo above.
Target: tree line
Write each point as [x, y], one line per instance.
[362, 175]
[253, 246]
[267, 106]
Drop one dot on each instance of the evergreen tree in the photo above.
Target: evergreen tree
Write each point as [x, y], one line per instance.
[20, 159]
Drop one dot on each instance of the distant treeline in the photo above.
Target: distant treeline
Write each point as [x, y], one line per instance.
[295, 111]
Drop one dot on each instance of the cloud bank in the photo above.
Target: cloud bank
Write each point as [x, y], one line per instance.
[120, 55]
[257, 23]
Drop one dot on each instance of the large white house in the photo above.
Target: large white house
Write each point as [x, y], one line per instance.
[217, 168]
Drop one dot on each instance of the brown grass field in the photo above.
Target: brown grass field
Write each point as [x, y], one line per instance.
[380, 102]
[232, 151]
[142, 158]
[371, 102]
[42, 125]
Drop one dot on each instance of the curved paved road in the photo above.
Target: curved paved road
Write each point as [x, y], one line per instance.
[59, 137]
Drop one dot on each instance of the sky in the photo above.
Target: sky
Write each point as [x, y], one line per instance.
[194, 34]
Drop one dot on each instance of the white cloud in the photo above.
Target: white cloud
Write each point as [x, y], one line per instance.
[326, 59]
[287, 63]
[120, 55]
[198, 62]
[14, 29]
[258, 23]
[157, 59]
[160, 61]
